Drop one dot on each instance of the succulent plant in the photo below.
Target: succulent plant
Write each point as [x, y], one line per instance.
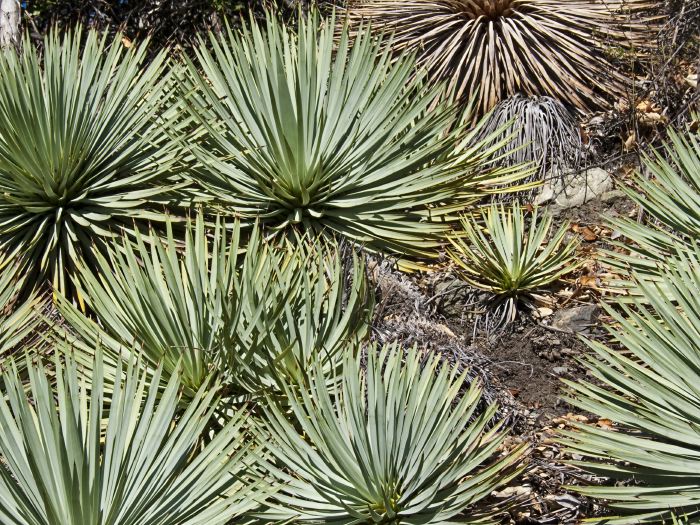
[84, 454]
[650, 390]
[668, 190]
[500, 48]
[400, 440]
[85, 149]
[246, 311]
[499, 253]
[300, 131]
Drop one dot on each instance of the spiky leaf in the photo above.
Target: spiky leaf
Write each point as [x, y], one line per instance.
[246, 312]
[651, 390]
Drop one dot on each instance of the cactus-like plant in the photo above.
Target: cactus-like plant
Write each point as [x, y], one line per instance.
[499, 48]
[651, 390]
[669, 194]
[500, 254]
[301, 131]
[400, 440]
[535, 131]
[84, 454]
[247, 312]
[85, 149]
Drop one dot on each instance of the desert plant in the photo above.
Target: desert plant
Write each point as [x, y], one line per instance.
[540, 131]
[392, 442]
[84, 149]
[82, 456]
[651, 390]
[297, 129]
[498, 253]
[247, 313]
[668, 190]
[504, 47]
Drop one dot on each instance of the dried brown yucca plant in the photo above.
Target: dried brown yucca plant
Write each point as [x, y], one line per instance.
[497, 48]
[539, 131]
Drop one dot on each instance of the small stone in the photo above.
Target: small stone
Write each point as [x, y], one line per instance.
[445, 330]
[575, 189]
[543, 311]
[510, 492]
[613, 195]
[577, 319]
[553, 355]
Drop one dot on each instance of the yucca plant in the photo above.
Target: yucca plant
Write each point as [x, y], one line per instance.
[84, 149]
[400, 440]
[669, 193]
[651, 390]
[299, 130]
[248, 313]
[499, 253]
[499, 48]
[83, 455]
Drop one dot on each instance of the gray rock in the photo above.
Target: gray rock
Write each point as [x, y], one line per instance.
[575, 189]
[452, 296]
[578, 319]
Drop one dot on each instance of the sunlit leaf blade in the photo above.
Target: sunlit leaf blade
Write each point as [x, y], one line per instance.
[651, 390]
[249, 312]
[668, 191]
